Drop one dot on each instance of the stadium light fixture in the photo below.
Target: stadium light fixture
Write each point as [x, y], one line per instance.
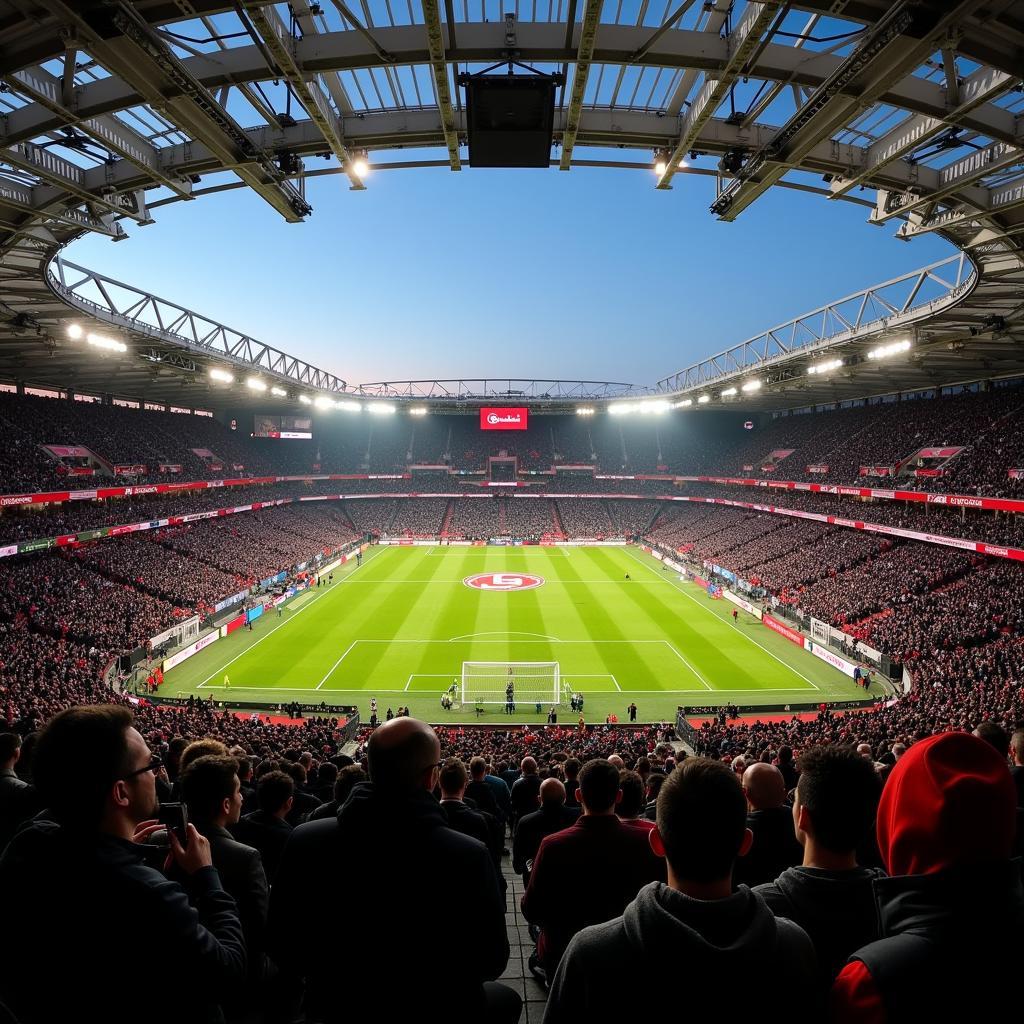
[255, 384]
[323, 402]
[682, 165]
[279, 392]
[305, 400]
[728, 392]
[101, 341]
[826, 367]
[75, 331]
[223, 376]
[892, 349]
[381, 409]
[704, 399]
[752, 385]
[348, 406]
[685, 403]
[418, 410]
[585, 410]
[361, 164]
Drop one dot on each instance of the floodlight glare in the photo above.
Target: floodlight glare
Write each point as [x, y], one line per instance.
[703, 399]
[660, 167]
[105, 343]
[684, 403]
[418, 410]
[728, 392]
[75, 331]
[361, 166]
[223, 376]
[348, 406]
[752, 385]
[381, 409]
[826, 367]
[280, 392]
[305, 400]
[585, 410]
[892, 349]
[323, 402]
[255, 384]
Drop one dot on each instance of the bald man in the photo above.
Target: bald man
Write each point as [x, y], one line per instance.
[525, 790]
[553, 816]
[770, 820]
[423, 896]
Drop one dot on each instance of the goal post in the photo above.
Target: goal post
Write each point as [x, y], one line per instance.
[532, 682]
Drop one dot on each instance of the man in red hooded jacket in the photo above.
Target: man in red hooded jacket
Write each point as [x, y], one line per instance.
[952, 914]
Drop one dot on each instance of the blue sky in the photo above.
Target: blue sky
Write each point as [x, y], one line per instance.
[592, 274]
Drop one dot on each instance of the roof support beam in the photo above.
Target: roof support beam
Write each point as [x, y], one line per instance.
[442, 89]
[581, 72]
[127, 46]
[281, 46]
[898, 42]
[982, 87]
[741, 43]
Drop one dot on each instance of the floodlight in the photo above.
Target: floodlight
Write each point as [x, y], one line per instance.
[255, 384]
[585, 410]
[684, 403]
[728, 392]
[348, 406]
[223, 376]
[381, 409]
[105, 343]
[323, 402]
[75, 331]
[305, 400]
[418, 410]
[752, 385]
[892, 349]
[280, 392]
[703, 399]
[826, 367]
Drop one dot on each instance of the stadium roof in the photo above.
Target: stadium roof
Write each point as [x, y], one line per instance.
[113, 109]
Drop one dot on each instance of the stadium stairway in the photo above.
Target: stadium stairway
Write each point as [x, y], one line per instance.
[517, 975]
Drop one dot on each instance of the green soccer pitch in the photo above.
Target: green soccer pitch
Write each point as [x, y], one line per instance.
[399, 627]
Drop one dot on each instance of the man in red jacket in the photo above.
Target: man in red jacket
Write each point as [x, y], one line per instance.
[587, 873]
[952, 915]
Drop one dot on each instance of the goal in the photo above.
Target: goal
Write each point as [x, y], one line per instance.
[533, 682]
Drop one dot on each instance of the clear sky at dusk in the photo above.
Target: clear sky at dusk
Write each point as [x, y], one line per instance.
[592, 274]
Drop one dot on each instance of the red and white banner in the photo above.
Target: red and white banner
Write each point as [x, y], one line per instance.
[170, 468]
[783, 630]
[928, 472]
[130, 470]
[833, 659]
[937, 453]
[68, 451]
[504, 417]
[818, 469]
[875, 471]
[1016, 474]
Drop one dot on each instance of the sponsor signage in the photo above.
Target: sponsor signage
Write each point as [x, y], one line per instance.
[132, 470]
[819, 468]
[177, 659]
[783, 630]
[745, 605]
[875, 471]
[504, 581]
[938, 453]
[833, 659]
[504, 417]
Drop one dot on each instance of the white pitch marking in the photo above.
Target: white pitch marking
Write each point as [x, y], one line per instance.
[702, 680]
[771, 654]
[541, 637]
[336, 664]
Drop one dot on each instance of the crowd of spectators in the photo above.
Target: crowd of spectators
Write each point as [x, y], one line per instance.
[528, 518]
[418, 517]
[585, 519]
[475, 518]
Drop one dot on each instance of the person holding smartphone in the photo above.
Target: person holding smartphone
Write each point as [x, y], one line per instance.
[88, 907]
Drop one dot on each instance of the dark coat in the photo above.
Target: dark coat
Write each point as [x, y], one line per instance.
[550, 818]
[90, 900]
[18, 802]
[774, 848]
[584, 875]
[525, 794]
[413, 887]
[266, 833]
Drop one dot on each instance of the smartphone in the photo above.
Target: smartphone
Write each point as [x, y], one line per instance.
[175, 817]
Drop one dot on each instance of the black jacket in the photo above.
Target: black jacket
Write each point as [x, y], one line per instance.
[18, 802]
[534, 827]
[482, 795]
[835, 908]
[266, 833]
[774, 849]
[414, 890]
[525, 795]
[708, 949]
[950, 939]
[79, 903]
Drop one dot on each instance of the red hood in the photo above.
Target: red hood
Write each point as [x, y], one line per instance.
[949, 801]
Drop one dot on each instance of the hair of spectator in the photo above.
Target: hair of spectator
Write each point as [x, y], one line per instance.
[839, 789]
[348, 778]
[477, 767]
[599, 785]
[206, 747]
[702, 819]
[994, 735]
[453, 776]
[10, 744]
[275, 789]
[206, 783]
[632, 803]
[82, 751]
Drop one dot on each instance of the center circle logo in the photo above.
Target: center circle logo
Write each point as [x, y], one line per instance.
[492, 418]
[504, 581]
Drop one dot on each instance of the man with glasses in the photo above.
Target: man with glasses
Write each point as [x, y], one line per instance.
[426, 900]
[88, 918]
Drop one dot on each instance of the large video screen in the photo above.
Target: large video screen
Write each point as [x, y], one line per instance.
[504, 418]
[285, 427]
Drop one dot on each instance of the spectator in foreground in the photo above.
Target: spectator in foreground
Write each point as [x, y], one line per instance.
[586, 874]
[770, 820]
[79, 878]
[433, 917]
[453, 780]
[552, 816]
[348, 778]
[829, 895]
[715, 944]
[213, 793]
[488, 792]
[631, 806]
[525, 789]
[952, 912]
[17, 797]
[267, 829]
[1017, 771]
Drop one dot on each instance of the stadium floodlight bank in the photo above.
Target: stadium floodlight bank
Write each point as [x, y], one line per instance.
[532, 682]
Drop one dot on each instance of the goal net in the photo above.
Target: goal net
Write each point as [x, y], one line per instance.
[531, 682]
